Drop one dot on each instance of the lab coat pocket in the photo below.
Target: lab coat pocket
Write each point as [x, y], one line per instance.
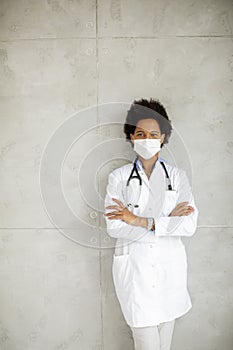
[170, 201]
[121, 272]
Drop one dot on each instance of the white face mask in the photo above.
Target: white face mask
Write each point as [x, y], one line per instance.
[147, 148]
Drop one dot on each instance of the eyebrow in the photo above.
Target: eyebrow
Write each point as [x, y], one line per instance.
[144, 131]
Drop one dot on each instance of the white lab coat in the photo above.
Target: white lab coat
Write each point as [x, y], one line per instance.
[150, 268]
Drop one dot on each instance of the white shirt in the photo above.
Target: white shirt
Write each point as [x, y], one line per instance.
[150, 267]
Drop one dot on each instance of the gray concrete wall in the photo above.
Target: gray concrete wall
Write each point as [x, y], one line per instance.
[60, 56]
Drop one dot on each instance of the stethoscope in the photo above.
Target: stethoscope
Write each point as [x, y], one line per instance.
[137, 176]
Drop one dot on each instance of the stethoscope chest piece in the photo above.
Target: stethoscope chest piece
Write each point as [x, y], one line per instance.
[130, 205]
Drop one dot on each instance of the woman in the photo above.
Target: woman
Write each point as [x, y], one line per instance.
[150, 262]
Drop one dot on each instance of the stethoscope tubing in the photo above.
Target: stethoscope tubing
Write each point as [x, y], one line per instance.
[131, 176]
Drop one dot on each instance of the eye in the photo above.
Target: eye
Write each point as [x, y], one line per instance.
[140, 134]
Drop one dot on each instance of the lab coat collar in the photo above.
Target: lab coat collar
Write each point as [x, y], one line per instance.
[139, 163]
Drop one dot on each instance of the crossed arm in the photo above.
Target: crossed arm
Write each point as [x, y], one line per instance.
[122, 213]
[122, 223]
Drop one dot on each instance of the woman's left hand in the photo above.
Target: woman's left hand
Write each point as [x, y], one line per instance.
[121, 213]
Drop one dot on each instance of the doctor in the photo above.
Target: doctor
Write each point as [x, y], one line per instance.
[148, 217]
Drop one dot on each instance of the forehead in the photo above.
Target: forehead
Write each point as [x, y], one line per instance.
[147, 124]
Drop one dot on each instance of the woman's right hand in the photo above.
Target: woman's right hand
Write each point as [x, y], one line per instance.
[182, 209]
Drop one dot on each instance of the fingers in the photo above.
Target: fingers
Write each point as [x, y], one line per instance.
[118, 208]
[118, 202]
[181, 204]
[114, 215]
[119, 214]
[114, 207]
[182, 209]
[189, 210]
[120, 211]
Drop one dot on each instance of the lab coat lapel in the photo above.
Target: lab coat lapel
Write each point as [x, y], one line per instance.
[157, 190]
[152, 195]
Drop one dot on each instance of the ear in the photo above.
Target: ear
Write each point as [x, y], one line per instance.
[131, 137]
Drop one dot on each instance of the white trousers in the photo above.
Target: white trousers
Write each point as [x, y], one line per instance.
[154, 337]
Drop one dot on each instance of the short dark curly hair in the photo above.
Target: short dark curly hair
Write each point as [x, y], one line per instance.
[144, 109]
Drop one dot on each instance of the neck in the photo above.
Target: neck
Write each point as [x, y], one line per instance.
[148, 163]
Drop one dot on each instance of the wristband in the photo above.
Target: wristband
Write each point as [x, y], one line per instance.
[150, 223]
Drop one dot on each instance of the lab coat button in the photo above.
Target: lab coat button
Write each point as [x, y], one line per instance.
[151, 246]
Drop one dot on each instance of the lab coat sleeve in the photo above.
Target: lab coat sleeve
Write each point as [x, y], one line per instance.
[118, 228]
[179, 225]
